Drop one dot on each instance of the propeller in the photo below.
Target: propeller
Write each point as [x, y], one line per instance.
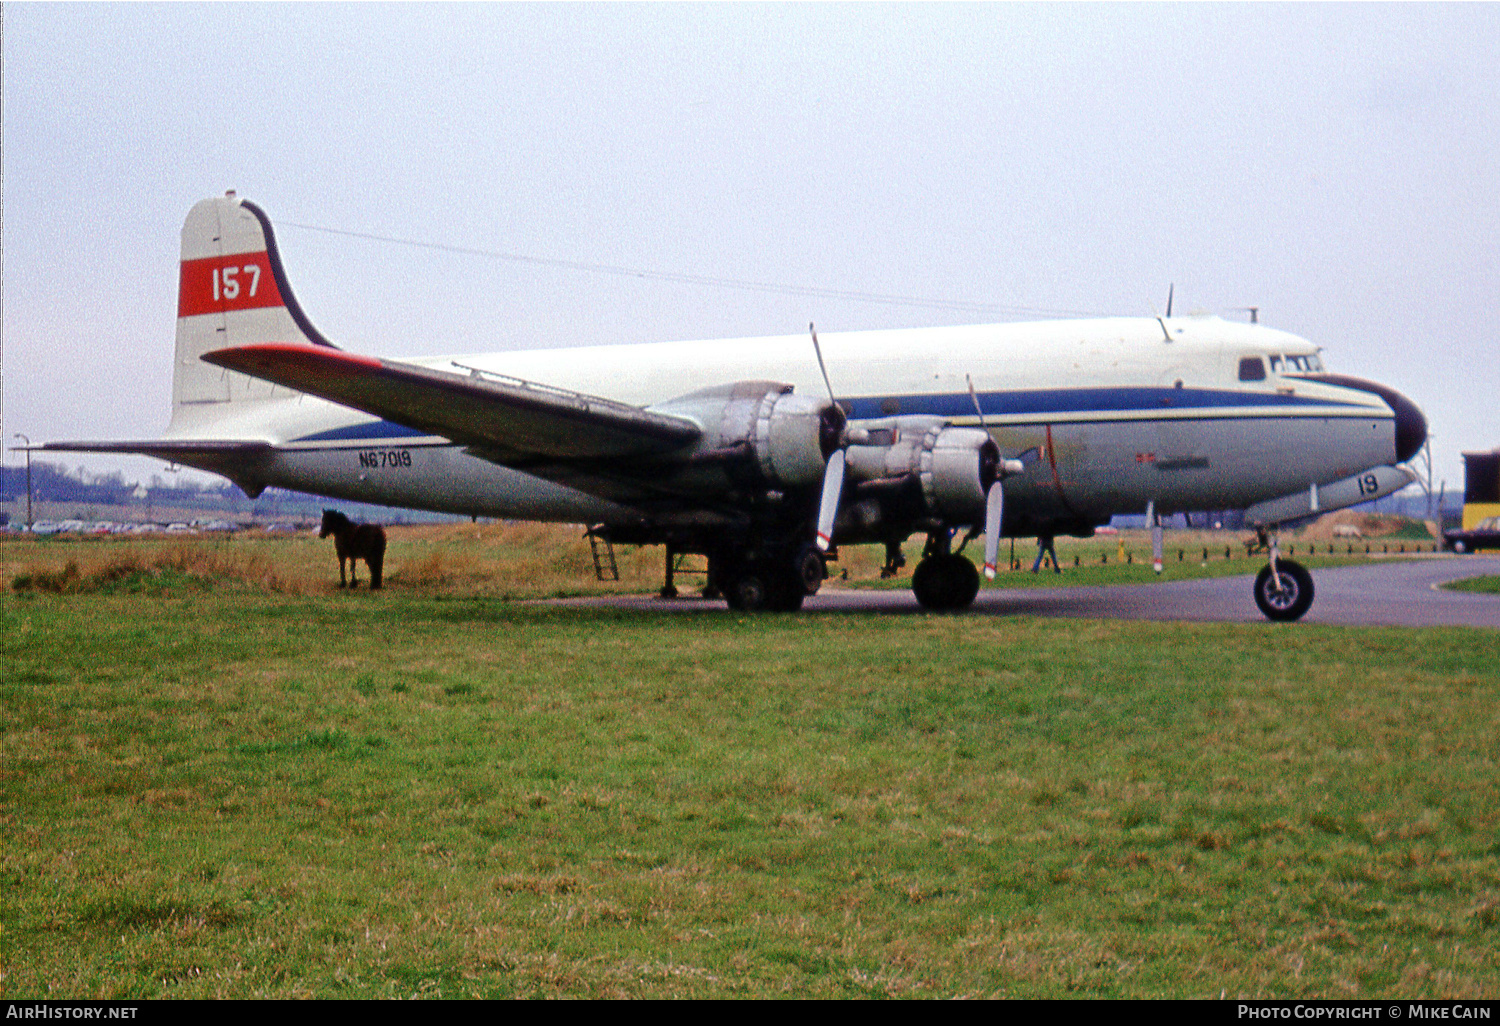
[994, 499]
[994, 516]
[833, 475]
[1171, 287]
[828, 505]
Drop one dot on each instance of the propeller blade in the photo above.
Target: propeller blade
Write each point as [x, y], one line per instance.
[974, 397]
[818, 350]
[828, 506]
[994, 516]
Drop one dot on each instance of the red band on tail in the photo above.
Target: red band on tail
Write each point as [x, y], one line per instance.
[220, 284]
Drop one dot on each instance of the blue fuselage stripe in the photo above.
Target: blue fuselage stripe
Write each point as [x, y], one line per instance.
[1072, 401]
[370, 431]
[1039, 402]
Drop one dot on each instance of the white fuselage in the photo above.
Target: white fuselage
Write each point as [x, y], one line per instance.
[1106, 415]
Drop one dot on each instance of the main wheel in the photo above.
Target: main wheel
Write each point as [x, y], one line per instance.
[1460, 546]
[747, 592]
[945, 583]
[809, 568]
[1292, 598]
[765, 589]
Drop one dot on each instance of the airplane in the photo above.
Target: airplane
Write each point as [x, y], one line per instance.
[745, 452]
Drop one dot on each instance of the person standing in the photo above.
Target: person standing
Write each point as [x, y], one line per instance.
[1045, 547]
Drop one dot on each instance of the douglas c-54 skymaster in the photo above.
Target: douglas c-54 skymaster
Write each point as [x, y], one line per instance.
[742, 451]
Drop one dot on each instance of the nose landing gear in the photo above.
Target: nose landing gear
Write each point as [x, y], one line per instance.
[1283, 589]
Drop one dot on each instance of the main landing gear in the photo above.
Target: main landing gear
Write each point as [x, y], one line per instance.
[769, 579]
[777, 579]
[1283, 589]
[944, 581]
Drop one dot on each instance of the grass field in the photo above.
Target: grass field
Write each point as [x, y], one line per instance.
[522, 561]
[1489, 585]
[222, 777]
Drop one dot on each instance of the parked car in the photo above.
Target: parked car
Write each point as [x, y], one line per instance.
[1483, 535]
[215, 525]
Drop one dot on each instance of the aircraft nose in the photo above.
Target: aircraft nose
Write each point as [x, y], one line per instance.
[1411, 424]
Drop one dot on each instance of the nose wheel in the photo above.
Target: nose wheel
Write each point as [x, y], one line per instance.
[1284, 590]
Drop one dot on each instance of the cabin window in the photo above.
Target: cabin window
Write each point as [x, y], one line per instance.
[1275, 365]
[1252, 368]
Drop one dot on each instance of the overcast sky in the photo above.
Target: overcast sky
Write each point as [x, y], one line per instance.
[1337, 166]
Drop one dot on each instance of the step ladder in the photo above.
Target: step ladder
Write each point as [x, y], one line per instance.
[675, 566]
[605, 568]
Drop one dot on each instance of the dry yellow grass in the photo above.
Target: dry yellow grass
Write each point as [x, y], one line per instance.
[526, 560]
[135, 568]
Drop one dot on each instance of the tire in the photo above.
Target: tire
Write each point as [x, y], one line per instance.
[809, 568]
[755, 591]
[1460, 546]
[926, 587]
[1292, 600]
[747, 593]
[944, 584]
[968, 581]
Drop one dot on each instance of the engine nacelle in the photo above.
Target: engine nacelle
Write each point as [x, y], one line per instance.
[953, 467]
[957, 467]
[761, 431]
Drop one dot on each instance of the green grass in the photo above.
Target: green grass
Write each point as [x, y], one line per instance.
[1097, 574]
[1489, 585]
[239, 792]
[1126, 559]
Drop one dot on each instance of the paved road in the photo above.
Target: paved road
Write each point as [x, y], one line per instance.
[1394, 592]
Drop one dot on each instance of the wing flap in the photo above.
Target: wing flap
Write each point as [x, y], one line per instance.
[514, 422]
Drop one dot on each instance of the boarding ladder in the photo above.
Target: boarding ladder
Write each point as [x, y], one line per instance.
[605, 568]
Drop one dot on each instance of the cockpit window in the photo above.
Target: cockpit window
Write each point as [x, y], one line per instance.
[1252, 368]
[1297, 365]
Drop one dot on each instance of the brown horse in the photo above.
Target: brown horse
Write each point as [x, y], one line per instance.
[355, 541]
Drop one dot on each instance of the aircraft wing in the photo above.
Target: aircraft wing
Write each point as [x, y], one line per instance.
[511, 421]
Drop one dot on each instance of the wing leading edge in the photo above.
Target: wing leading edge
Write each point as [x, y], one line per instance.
[513, 422]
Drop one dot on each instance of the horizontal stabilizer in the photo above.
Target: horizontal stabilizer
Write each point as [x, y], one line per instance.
[243, 462]
[511, 421]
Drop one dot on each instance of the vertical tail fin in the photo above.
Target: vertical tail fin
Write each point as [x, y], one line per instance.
[232, 292]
